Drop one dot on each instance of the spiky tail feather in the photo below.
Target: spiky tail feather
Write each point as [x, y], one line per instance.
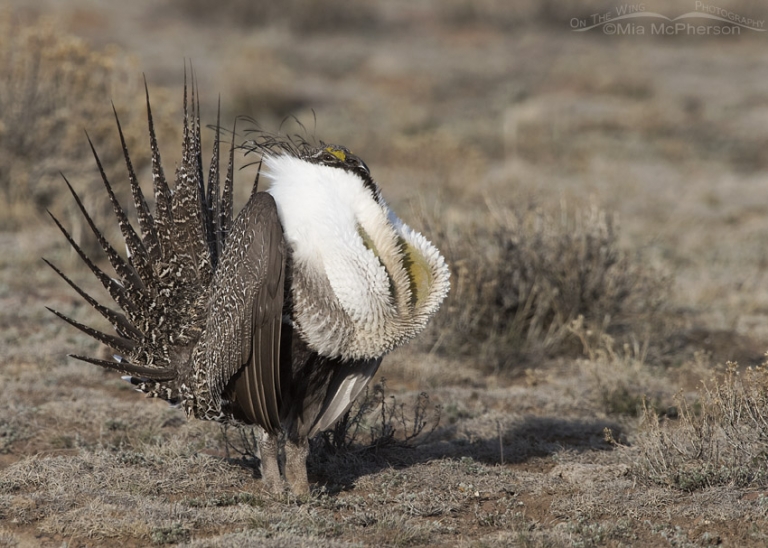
[162, 287]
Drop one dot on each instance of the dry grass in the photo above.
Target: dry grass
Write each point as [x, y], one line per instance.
[377, 419]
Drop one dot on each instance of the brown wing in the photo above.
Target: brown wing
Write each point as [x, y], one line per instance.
[243, 331]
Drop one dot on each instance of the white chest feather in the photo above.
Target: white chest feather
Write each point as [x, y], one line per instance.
[342, 237]
[322, 209]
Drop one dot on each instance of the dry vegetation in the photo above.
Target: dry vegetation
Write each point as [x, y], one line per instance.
[524, 277]
[53, 87]
[721, 437]
[576, 392]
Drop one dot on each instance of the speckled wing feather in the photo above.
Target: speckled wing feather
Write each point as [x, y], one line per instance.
[241, 341]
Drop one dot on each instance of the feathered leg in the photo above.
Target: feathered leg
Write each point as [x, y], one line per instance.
[296, 453]
[270, 469]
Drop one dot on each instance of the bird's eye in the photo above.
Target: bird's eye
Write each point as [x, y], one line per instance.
[328, 157]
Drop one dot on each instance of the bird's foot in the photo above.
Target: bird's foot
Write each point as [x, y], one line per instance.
[296, 453]
[270, 469]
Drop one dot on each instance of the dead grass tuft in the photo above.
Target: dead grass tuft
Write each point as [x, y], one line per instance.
[521, 279]
[721, 437]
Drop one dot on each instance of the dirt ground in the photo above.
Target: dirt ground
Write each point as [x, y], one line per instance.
[458, 109]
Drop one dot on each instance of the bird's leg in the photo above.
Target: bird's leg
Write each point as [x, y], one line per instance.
[296, 452]
[270, 469]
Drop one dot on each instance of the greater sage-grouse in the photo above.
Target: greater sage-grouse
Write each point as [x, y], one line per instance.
[276, 318]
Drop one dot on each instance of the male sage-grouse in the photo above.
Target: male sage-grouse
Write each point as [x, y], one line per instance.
[278, 318]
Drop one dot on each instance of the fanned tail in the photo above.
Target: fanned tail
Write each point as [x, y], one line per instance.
[162, 287]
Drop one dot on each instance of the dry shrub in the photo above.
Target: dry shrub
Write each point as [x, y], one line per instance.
[721, 438]
[378, 420]
[53, 86]
[521, 279]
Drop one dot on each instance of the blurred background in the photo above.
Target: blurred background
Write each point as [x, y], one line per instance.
[479, 119]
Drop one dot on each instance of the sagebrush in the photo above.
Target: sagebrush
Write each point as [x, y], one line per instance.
[720, 437]
[522, 277]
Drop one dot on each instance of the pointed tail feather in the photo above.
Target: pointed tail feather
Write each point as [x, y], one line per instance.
[158, 374]
[192, 249]
[118, 343]
[164, 286]
[214, 196]
[121, 324]
[115, 290]
[128, 276]
[146, 221]
[227, 198]
[163, 209]
[137, 253]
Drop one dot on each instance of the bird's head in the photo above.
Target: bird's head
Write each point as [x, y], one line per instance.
[340, 157]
